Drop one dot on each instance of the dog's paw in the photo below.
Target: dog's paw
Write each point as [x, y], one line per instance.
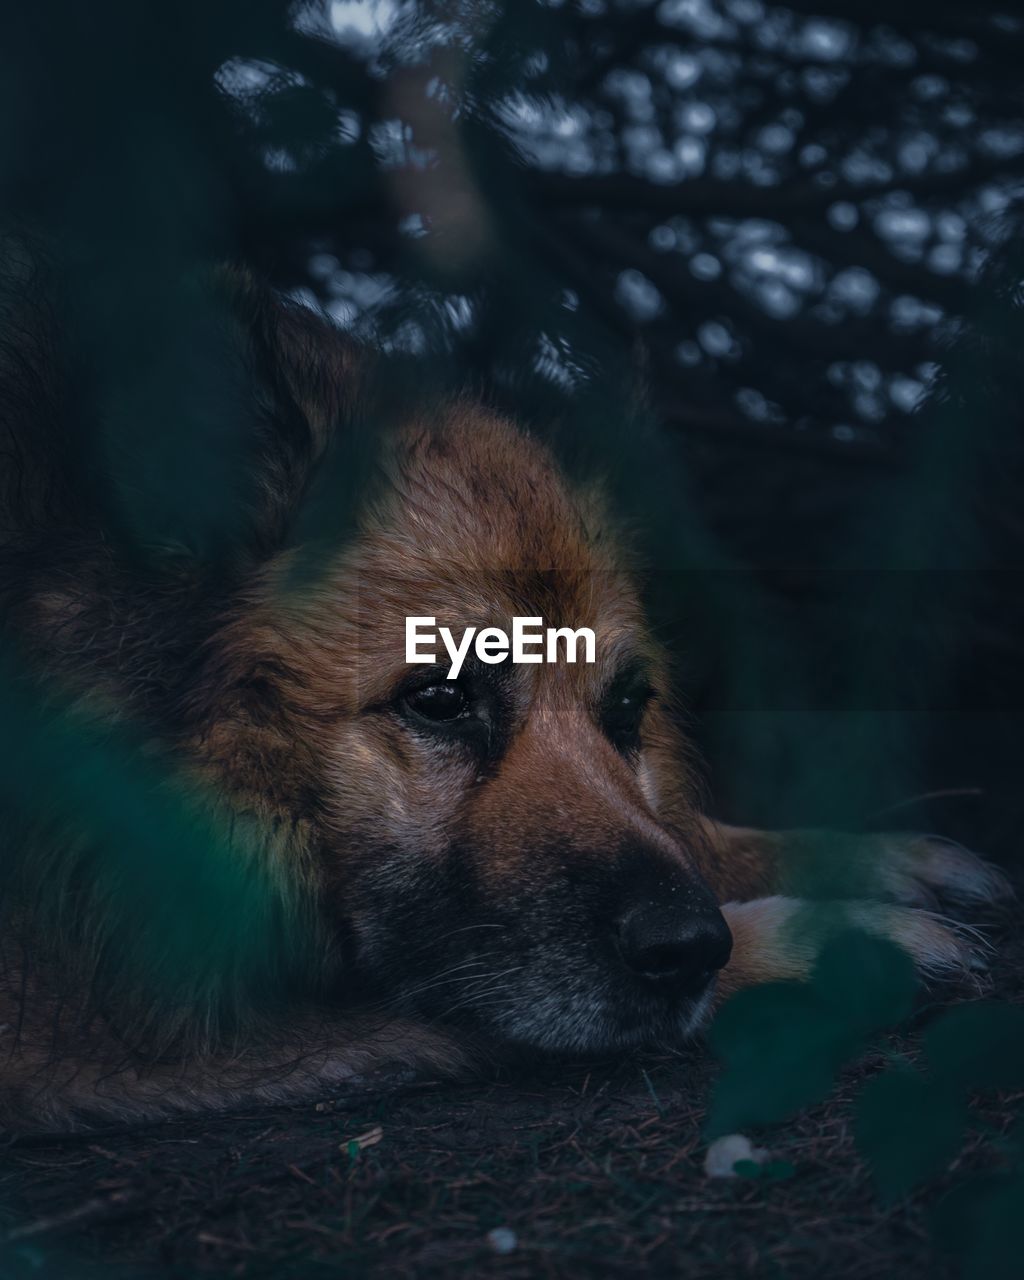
[781, 938]
[922, 870]
[941, 948]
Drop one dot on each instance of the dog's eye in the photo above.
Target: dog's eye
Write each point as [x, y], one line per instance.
[622, 713]
[443, 701]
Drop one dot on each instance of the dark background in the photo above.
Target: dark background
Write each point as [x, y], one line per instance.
[758, 264]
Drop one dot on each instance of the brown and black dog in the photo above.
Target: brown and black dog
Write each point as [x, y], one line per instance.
[516, 858]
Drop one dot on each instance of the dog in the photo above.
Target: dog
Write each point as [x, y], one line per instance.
[446, 870]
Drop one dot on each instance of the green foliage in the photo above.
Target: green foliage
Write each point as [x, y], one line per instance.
[869, 982]
[979, 1224]
[783, 1042]
[909, 1128]
[781, 1047]
[978, 1046]
[770, 1171]
[173, 891]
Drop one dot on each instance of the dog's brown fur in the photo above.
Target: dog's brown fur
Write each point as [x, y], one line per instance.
[449, 894]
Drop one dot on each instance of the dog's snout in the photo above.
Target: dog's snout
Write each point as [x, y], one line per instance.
[677, 947]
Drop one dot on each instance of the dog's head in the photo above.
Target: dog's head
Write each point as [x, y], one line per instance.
[517, 848]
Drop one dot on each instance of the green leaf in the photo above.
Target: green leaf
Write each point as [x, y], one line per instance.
[869, 981]
[783, 1042]
[908, 1128]
[831, 865]
[781, 1045]
[979, 1223]
[769, 1171]
[978, 1046]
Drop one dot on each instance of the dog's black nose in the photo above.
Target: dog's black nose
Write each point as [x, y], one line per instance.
[678, 947]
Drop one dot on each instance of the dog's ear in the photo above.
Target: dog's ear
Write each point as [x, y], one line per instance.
[191, 432]
[301, 361]
[307, 377]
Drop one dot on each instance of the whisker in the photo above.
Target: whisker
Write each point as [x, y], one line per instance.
[476, 996]
[466, 928]
[465, 973]
[432, 942]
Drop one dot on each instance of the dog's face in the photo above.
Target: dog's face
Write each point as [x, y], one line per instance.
[515, 849]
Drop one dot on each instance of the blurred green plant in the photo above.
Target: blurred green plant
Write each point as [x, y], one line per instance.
[783, 1044]
[154, 887]
[911, 1124]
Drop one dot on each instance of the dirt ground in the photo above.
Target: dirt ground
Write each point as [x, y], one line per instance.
[576, 1170]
